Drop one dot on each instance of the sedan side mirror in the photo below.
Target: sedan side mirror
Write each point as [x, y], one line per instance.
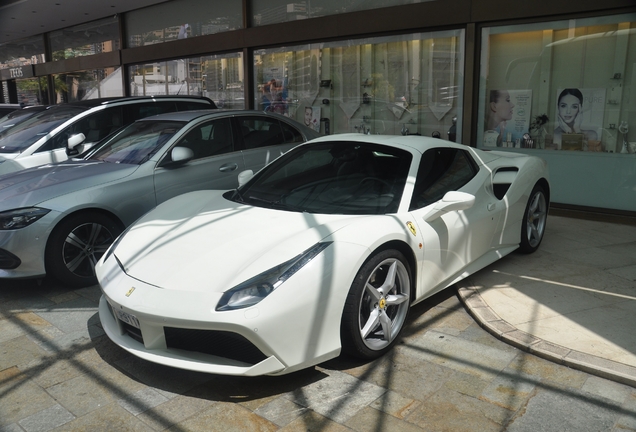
[244, 177]
[452, 201]
[181, 155]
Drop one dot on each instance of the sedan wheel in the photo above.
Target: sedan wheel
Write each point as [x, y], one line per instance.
[534, 221]
[76, 245]
[377, 306]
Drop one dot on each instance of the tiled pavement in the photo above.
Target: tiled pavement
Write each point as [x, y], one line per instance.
[58, 371]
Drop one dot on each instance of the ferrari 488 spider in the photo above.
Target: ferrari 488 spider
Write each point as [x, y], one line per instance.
[323, 251]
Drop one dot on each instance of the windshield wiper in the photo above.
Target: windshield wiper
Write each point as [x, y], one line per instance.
[278, 204]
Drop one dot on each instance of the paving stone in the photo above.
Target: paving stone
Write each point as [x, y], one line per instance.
[628, 420]
[20, 397]
[173, 411]
[469, 385]
[70, 316]
[337, 397]
[547, 371]
[369, 419]
[281, 411]
[46, 419]
[18, 351]
[312, 421]
[225, 417]
[109, 418]
[19, 324]
[448, 410]
[395, 404]
[551, 410]
[13, 427]
[461, 355]
[509, 390]
[613, 391]
[141, 401]
[81, 395]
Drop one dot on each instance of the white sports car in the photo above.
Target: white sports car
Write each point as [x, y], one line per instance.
[321, 252]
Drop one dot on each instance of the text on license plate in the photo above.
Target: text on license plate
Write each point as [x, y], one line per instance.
[126, 317]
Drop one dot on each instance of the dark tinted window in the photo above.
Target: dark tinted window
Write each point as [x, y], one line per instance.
[209, 139]
[332, 177]
[260, 132]
[441, 170]
[291, 134]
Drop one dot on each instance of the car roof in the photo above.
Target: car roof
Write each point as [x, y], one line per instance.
[194, 114]
[89, 103]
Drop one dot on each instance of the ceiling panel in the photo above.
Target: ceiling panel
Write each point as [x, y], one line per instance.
[23, 18]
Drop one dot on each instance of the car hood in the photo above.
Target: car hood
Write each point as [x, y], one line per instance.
[32, 186]
[202, 242]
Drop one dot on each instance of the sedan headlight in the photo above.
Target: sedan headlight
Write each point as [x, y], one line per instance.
[20, 218]
[257, 288]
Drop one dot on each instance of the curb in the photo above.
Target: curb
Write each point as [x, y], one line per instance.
[489, 320]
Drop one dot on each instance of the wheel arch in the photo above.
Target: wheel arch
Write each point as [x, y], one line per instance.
[546, 188]
[407, 251]
[85, 210]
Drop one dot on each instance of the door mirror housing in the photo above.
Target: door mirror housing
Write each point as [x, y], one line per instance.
[452, 201]
[244, 177]
[181, 155]
[73, 146]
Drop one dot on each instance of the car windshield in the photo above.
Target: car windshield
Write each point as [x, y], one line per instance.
[21, 136]
[335, 177]
[136, 143]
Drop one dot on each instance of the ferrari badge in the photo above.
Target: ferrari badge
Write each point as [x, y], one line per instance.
[411, 227]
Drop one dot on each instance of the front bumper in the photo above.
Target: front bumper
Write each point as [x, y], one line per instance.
[28, 245]
[295, 327]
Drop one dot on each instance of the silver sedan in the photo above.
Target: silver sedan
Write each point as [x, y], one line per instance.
[59, 219]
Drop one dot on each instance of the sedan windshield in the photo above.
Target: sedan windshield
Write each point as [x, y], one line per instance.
[334, 178]
[18, 138]
[137, 143]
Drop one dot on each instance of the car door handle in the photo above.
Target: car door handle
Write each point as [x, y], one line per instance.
[228, 167]
[491, 206]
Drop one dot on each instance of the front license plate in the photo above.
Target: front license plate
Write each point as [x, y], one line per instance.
[126, 317]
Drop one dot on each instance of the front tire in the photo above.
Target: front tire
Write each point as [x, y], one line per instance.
[377, 306]
[75, 246]
[534, 221]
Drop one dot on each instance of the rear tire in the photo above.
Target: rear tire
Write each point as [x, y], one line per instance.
[534, 221]
[75, 246]
[377, 306]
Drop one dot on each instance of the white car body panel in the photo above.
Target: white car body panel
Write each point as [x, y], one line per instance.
[172, 267]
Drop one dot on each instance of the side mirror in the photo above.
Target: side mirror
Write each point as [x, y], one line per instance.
[244, 177]
[181, 155]
[452, 201]
[72, 144]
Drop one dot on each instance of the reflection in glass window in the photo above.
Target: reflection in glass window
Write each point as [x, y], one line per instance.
[33, 91]
[277, 11]
[564, 90]
[219, 77]
[92, 84]
[180, 19]
[22, 52]
[85, 39]
[408, 84]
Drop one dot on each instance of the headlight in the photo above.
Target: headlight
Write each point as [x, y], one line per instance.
[257, 288]
[20, 218]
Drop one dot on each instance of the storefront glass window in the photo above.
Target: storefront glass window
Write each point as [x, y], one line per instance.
[277, 11]
[91, 84]
[86, 39]
[23, 52]
[180, 19]
[408, 84]
[566, 90]
[32, 91]
[219, 77]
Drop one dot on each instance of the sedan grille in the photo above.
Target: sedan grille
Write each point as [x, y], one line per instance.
[219, 343]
